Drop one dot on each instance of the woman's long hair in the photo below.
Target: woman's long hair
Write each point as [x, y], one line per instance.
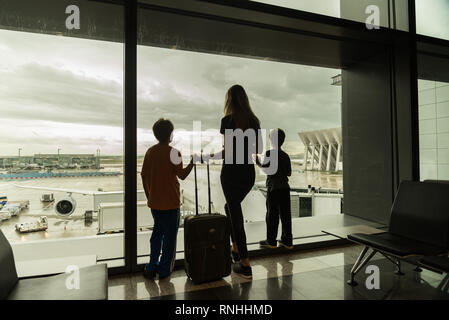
[237, 105]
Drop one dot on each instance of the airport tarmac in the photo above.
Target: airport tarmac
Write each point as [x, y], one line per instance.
[75, 226]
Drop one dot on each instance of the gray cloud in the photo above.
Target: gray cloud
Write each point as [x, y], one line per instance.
[37, 91]
[182, 86]
[52, 85]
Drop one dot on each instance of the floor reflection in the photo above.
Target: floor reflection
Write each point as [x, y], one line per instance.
[314, 274]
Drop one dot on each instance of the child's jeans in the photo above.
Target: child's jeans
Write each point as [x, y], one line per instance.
[278, 207]
[165, 231]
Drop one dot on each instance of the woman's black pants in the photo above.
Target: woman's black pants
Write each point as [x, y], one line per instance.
[237, 181]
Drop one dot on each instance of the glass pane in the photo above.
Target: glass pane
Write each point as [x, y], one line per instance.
[61, 150]
[434, 130]
[432, 18]
[189, 87]
[355, 10]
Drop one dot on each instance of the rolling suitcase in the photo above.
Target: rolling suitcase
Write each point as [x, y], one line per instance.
[207, 252]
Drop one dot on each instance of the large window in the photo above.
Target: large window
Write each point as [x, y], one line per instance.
[61, 98]
[189, 89]
[390, 14]
[61, 152]
[432, 18]
[434, 130]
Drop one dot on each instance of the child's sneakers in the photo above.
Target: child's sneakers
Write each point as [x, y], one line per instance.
[149, 273]
[164, 276]
[266, 244]
[288, 246]
[163, 272]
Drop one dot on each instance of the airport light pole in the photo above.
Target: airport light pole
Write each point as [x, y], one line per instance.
[20, 149]
[98, 158]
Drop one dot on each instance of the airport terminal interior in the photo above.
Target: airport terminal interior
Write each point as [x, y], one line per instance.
[360, 88]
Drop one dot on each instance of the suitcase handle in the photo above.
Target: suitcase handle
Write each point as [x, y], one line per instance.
[208, 186]
[196, 189]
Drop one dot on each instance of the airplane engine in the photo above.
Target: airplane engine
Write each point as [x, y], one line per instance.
[65, 206]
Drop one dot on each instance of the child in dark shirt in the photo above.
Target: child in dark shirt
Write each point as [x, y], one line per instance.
[278, 192]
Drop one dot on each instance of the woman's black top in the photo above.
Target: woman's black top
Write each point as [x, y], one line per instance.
[240, 163]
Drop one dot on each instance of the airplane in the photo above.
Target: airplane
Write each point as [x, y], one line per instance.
[65, 206]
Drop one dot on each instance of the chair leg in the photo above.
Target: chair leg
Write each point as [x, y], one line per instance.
[397, 263]
[444, 284]
[351, 281]
[398, 270]
[359, 264]
[367, 259]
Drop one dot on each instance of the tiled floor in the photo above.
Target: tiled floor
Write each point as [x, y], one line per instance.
[305, 230]
[318, 274]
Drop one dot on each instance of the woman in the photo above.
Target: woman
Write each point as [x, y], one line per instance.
[238, 172]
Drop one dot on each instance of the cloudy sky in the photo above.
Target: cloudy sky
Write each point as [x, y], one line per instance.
[186, 87]
[60, 92]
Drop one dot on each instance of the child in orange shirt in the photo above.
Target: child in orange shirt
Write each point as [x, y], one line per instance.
[161, 169]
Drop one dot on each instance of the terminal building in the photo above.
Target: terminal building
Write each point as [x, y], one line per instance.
[323, 150]
[51, 161]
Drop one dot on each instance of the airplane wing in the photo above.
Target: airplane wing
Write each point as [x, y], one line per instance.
[83, 192]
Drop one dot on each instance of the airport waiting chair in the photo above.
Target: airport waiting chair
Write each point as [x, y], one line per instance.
[419, 226]
[93, 281]
[436, 263]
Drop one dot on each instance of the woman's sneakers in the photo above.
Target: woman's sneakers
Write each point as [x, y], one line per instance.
[235, 257]
[241, 270]
[266, 244]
